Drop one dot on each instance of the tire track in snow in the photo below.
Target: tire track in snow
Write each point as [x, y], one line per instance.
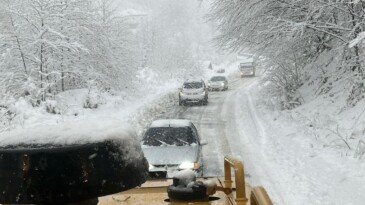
[244, 130]
[231, 123]
[210, 128]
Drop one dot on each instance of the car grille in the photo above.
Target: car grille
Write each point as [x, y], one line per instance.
[164, 165]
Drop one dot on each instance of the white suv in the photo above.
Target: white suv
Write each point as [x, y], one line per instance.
[193, 91]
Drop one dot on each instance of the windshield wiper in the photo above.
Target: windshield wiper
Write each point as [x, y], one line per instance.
[186, 143]
[162, 142]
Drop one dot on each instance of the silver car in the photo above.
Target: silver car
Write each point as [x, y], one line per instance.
[218, 83]
[193, 91]
[247, 69]
[172, 145]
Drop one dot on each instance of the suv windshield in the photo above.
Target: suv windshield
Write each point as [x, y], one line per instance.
[218, 78]
[245, 67]
[193, 85]
[179, 136]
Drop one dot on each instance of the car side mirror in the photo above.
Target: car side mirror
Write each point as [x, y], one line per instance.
[203, 142]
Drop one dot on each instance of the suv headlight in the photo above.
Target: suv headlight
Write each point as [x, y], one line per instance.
[150, 166]
[181, 93]
[189, 165]
[186, 165]
[203, 93]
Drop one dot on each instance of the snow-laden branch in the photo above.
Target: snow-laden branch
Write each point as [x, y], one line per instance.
[357, 40]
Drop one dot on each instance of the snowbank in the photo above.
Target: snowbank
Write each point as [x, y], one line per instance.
[318, 146]
[69, 133]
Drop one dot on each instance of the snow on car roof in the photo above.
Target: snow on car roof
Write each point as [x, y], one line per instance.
[171, 123]
[193, 80]
[77, 132]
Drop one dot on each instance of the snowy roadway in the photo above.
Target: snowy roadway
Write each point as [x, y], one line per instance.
[274, 155]
[279, 149]
[216, 125]
[230, 126]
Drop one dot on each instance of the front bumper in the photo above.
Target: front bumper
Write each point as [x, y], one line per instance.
[163, 168]
[243, 73]
[192, 97]
[216, 87]
[167, 171]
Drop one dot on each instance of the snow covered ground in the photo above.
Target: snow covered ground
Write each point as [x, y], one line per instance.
[299, 156]
[290, 155]
[137, 107]
[307, 164]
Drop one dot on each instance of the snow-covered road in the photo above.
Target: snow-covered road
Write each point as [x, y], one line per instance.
[276, 155]
[230, 126]
[280, 150]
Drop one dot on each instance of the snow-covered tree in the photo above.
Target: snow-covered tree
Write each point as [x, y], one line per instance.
[49, 46]
[293, 34]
